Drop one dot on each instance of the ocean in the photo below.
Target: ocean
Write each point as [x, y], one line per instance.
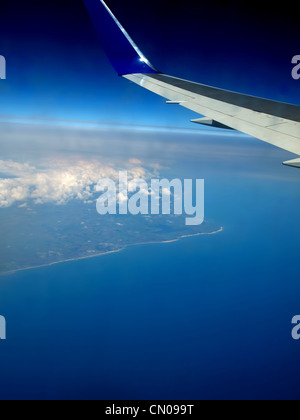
[207, 317]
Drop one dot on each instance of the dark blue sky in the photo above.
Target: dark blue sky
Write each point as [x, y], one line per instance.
[56, 67]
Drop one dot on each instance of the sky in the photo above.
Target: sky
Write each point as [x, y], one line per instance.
[54, 163]
[57, 69]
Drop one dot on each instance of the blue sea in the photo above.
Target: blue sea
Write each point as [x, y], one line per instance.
[207, 317]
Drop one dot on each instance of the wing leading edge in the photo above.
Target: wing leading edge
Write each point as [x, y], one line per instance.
[273, 122]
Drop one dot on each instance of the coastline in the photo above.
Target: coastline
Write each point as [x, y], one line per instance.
[7, 273]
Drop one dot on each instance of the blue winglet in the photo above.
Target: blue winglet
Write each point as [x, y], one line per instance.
[122, 52]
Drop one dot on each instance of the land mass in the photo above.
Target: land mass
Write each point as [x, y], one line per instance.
[52, 234]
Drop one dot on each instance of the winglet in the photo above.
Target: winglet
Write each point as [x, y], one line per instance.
[121, 50]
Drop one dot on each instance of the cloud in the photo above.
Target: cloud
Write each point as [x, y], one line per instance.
[135, 162]
[57, 182]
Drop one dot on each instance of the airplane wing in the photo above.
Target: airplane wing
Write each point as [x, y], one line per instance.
[273, 122]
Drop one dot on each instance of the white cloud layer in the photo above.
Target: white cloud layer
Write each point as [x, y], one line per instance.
[58, 182]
